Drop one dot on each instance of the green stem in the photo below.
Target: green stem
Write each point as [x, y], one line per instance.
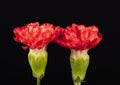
[38, 81]
[77, 82]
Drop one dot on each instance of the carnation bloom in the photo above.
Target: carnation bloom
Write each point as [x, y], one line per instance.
[79, 37]
[35, 36]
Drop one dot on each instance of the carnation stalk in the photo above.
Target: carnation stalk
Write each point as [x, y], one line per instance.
[38, 60]
[38, 81]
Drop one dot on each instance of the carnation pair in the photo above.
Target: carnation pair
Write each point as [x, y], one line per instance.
[78, 38]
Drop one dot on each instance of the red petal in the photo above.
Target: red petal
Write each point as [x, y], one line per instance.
[79, 37]
[35, 36]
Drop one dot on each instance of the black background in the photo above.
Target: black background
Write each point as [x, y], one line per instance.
[104, 59]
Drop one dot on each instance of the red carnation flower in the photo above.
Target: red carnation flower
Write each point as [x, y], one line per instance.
[79, 37]
[35, 36]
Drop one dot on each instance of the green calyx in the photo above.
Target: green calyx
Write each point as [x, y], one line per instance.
[38, 61]
[79, 61]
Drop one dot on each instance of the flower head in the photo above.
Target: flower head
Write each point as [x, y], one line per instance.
[79, 37]
[35, 36]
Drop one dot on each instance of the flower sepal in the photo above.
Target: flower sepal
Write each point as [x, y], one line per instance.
[38, 59]
[79, 61]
